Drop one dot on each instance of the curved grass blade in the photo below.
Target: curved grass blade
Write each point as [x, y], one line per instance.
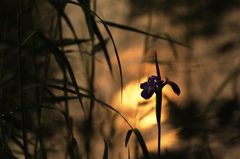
[15, 123]
[124, 27]
[61, 13]
[88, 17]
[30, 107]
[67, 42]
[140, 140]
[59, 55]
[59, 99]
[129, 153]
[105, 154]
[105, 26]
[129, 133]
[77, 93]
[76, 152]
[92, 27]
[110, 35]
[60, 81]
[103, 44]
[65, 17]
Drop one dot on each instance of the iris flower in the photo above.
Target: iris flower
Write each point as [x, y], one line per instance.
[153, 83]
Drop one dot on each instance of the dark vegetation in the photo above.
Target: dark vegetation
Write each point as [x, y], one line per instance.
[38, 82]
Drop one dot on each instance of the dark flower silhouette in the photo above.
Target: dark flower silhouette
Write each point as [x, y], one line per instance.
[153, 83]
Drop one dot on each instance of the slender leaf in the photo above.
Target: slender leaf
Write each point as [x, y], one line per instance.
[75, 92]
[124, 27]
[105, 154]
[129, 133]
[65, 17]
[158, 106]
[77, 154]
[140, 140]
[105, 26]
[110, 35]
[157, 67]
[30, 107]
[103, 45]
[88, 17]
[129, 157]
[59, 55]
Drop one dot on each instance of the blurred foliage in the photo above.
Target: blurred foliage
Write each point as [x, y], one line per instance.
[202, 16]
[32, 53]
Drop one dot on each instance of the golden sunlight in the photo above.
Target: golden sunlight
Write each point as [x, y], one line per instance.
[141, 113]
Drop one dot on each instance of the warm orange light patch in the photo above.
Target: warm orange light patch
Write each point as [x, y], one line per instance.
[167, 140]
[141, 113]
[138, 109]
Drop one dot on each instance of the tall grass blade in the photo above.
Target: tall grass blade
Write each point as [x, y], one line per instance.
[30, 107]
[59, 55]
[103, 45]
[105, 153]
[158, 107]
[129, 156]
[21, 80]
[129, 133]
[105, 26]
[110, 35]
[124, 27]
[88, 17]
[157, 67]
[140, 140]
[77, 154]
[65, 17]
[79, 94]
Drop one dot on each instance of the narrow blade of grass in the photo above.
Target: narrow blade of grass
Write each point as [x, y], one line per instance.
[76, 152]
[124, 27]
[140, 140]
[157, 67]
[58, 54]
[105, 26]
[112, 40]
[105, 153]
[88, 17]
[79, 94]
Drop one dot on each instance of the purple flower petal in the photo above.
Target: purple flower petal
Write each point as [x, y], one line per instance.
[174, 86]
[153, 78]
[146, 93]
[154, 82]
[144, 85]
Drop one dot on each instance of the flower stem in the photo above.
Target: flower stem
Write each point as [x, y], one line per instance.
[158, 116]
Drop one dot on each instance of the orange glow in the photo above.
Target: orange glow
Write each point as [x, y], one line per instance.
[143, 116]
[167, 140]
